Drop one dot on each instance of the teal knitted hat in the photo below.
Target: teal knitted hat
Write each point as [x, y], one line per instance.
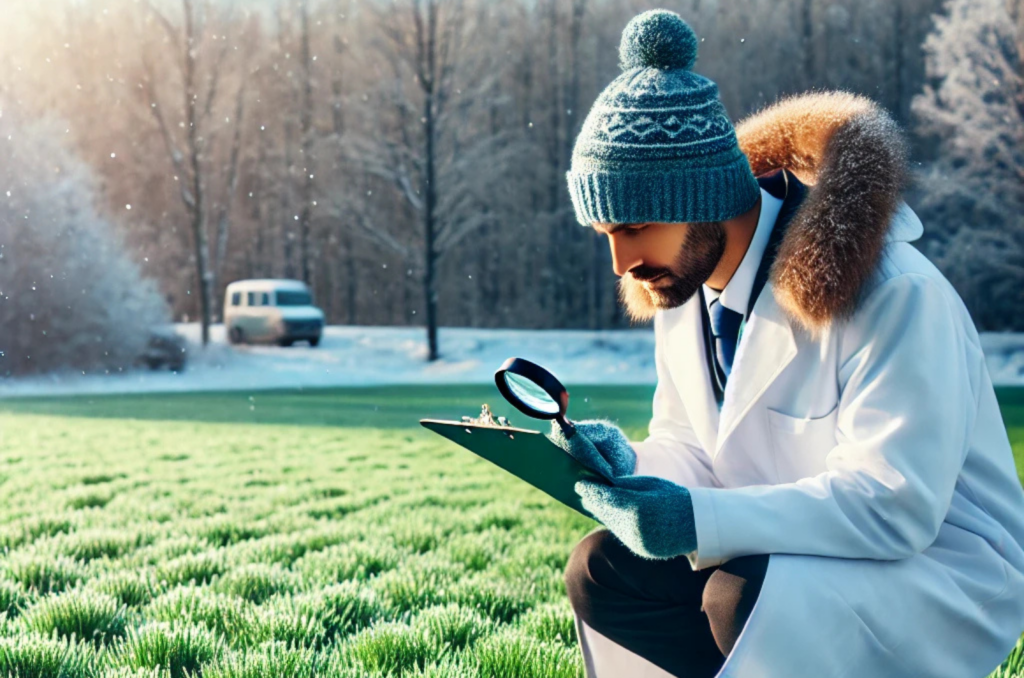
[657, 145]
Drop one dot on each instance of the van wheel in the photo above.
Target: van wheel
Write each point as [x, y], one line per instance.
[315, 341]
[236, 336]
[285, 342]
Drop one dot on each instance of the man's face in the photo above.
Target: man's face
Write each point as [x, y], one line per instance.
[662, 265]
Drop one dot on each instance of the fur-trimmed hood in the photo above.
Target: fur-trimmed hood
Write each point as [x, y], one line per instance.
[853, 156]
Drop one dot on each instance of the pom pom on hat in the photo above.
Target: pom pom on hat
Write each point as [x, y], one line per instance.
[659, 39]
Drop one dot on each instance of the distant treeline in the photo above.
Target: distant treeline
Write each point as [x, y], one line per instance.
[407, 158]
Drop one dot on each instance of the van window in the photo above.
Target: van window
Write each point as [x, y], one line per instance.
[236, 298]
[293, 298]
[259, 298]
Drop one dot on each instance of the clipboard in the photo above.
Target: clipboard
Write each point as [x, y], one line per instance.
[526, 454]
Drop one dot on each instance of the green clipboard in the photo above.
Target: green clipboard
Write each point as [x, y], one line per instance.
[526, 454]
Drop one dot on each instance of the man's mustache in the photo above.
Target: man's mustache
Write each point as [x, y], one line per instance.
[645, 274]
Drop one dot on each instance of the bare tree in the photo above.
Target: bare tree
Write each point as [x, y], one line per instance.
[421, 41]
[189, 152]
[306, 143]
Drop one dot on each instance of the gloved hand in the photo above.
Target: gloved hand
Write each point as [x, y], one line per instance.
[652, 516]
[599, 445]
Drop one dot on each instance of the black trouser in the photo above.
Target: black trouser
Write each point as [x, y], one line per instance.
[682, 620]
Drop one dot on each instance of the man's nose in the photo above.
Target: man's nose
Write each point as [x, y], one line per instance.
[625, 255]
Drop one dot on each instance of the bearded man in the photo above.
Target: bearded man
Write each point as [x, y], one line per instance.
[827, 489]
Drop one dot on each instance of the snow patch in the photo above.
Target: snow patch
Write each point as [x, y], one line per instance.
[370, 356]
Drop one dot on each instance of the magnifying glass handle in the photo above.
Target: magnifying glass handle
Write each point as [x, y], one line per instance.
[567, 427]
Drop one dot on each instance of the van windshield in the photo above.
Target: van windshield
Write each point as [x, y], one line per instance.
[294, 299]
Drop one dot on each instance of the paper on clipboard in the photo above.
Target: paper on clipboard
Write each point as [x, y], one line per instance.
[529, 455]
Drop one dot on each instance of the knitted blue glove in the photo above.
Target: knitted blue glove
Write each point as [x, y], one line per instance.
[652, 516]
[599, 445]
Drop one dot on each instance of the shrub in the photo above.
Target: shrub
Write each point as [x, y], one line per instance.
[28, 655]
[283, 549]
[13, 598]
[225, 531]
[550, 622]
[421, 583]
[200, 568]
[448, 667]
[167, 549]
[273, 660]
[28, 530]
[182, 648]
[347, 608]
[89, 615]
[128, 672]
[354, 560]
[44, 573]
[452, 625]
[326, 615]
[498, 599]
[89, 498]
[73, 297]
[476, 550]
[256, 582]
[393, 648]
[286, 624]
[95, 544]
[132, 588]
[510, 653]
[226, 615]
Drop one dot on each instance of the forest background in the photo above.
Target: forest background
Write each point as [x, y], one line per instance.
[407, 158]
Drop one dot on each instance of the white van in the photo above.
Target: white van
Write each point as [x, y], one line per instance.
[271, 310]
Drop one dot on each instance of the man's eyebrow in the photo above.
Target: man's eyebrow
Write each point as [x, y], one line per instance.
[612, 228]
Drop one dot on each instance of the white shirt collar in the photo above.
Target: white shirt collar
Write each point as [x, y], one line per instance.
[736, 294]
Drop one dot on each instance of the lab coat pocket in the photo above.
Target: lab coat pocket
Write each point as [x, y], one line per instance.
[800, 445]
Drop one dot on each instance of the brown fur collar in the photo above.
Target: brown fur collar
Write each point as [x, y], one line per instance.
[855, 156]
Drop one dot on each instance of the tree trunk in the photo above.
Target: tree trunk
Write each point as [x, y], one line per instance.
[287, 234]
[555, 280]
[900, 34]
[430, 189]
[572, 95]
[306, 124]
[806, 21]
[429, 283]
[198, 216]
[350, 272]
[224, 218]
[337, 112]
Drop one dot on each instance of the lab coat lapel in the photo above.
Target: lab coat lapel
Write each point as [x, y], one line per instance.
[767, 347]
[689, 370]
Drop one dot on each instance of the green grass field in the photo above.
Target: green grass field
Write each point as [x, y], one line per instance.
[305, 533]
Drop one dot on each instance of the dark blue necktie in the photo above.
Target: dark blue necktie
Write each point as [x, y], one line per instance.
[725, 326]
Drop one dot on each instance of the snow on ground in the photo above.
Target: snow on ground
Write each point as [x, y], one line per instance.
[364, 356]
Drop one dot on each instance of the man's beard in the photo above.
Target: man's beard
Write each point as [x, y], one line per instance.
[698, 256]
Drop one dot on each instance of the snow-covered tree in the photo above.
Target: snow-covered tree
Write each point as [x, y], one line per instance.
[973, 193]
[70, 296]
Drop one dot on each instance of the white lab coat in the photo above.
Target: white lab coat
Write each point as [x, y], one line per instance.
[872, 463]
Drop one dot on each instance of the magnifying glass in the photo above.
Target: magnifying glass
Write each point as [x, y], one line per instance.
[535, 392]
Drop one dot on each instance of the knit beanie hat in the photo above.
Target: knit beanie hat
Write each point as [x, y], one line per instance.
[657, 145]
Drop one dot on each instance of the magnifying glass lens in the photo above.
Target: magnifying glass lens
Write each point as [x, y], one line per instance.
[534, 391]
[531, 394]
